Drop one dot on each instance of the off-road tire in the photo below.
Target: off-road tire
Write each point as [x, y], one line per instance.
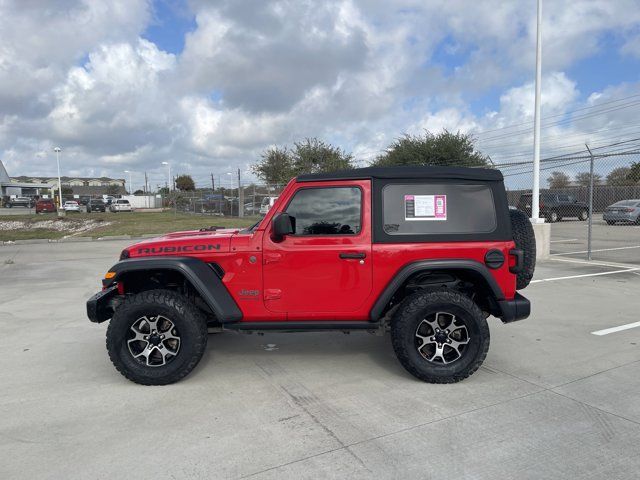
[417, 307]
[525, 240]
[188, 320]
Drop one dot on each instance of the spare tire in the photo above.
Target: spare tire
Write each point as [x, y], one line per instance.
[525, 240]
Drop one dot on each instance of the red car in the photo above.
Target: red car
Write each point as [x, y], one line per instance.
[425, 253]
[45, 206]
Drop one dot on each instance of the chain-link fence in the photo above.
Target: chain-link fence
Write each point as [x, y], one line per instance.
[247, 201]
[592, 198]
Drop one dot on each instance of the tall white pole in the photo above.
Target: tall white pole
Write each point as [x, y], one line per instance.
[58, 150]
[535, 200]
[130, 184]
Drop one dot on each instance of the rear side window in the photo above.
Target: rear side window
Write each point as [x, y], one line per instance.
[326, 211]
[432, 209]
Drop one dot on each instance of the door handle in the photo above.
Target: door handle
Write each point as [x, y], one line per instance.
[352, 255]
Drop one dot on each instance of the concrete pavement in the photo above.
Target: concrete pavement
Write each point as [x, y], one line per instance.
[551, 401]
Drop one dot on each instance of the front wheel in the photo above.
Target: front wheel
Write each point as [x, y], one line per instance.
[156, 337]
[583, 215]
[553, 217]
[610, 222]
[440, 337]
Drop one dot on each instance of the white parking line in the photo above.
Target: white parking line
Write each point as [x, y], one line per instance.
[584, 275]
[594, 263]
[597, 250]
[607, 331]
[564, 241]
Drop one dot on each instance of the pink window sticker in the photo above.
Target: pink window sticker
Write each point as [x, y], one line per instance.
[408, 197]
[440, 202]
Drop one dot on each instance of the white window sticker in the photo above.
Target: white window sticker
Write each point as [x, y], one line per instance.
[425, 207]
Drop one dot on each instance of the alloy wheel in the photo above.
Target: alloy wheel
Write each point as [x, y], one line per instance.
[442, 338]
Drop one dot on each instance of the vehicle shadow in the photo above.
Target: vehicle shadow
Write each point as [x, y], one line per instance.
[304, 347]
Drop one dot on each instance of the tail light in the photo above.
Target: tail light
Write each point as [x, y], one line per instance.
[541, 205]
[628, 210]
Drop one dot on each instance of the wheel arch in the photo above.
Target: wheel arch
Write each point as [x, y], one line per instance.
[202, 277]
[459, 269]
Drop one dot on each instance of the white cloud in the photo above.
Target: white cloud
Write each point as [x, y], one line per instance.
[252, 74]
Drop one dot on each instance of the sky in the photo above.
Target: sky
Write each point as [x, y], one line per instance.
[209, 85]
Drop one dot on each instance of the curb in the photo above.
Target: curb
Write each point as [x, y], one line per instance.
[35, 241]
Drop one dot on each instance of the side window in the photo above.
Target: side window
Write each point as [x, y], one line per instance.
[563, 198]
[326, 211]
[428, 209]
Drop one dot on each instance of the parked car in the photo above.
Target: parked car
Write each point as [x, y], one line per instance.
[252, 208]
[96, 205]
[45, 206]
[21, 202]
[108, 200]
[120, 205]
[370, 249]
[622, 211]
[555, 206]
[71, 206]
[84, 199]
[267, 203]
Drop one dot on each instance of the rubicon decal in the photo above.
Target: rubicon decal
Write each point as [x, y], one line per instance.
[178, 249]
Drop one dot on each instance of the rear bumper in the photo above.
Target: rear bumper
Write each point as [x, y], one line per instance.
[517, 309]
[619, 217]
[99, 307]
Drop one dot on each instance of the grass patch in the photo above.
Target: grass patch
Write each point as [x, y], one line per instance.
[24, 227]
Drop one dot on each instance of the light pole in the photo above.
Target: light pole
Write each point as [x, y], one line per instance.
[58, 150]
[535, 197]
[169, 169]
[130, 182]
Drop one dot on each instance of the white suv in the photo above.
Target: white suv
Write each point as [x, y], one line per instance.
[120, 206]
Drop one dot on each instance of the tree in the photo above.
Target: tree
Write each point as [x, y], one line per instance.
[558, 180]
[444, 148]
[315, 156]
[185, 183]
[275, 166]
[163, 191]
[583, 179]
[278, 165]
[618, 177]
[67, 191]
[112, 190]
[138, 192]
[634, 173]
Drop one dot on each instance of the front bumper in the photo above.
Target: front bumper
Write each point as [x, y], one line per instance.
[100, 306]
[517, 309]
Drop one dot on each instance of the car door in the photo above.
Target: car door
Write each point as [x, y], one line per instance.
[323, 270]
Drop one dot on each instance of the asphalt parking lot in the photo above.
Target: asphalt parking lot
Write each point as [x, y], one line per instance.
[552, 400]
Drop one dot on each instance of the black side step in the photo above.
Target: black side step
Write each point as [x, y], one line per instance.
[301, 326]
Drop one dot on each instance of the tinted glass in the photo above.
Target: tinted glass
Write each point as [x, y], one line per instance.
[625, 203]
[563, 198]
[419, 209]
[326, 211]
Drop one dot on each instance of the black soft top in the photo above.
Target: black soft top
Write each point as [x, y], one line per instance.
[456, 173]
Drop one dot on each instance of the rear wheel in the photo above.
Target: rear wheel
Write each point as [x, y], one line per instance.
[440, 337]
[610, 222]
[553, 216]
[583, 215]
[156, 337]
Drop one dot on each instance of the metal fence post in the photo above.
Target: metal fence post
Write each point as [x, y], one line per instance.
[590, 203]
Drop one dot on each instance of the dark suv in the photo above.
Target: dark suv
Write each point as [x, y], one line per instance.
[425, 253]
[96, 205]
[555, 206]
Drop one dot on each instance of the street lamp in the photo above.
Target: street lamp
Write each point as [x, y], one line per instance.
[170, 181]
[130, 182]
[58, 150]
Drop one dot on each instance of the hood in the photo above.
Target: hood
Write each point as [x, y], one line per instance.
[188, 243]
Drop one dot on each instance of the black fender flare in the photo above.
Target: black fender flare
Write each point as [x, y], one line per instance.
[200, 274]
[405, 272]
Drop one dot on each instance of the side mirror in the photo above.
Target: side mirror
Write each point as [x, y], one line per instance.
[282, 226]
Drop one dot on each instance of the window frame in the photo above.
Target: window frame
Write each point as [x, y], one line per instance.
[324, 187]
[502, 231]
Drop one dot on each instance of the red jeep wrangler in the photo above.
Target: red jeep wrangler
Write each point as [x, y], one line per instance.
[427, 253]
